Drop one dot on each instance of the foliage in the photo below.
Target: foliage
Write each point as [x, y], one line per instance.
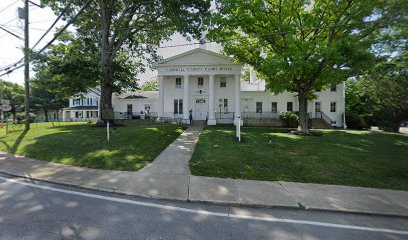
[355, 121]
[14, 93]
[44, 97]
[121, 30]
[289, 119]
[354, 158]
[152, 85]
[301, 45]
[20, 117]
[387, 85]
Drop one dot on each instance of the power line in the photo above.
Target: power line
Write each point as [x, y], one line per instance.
[53, 39]
[8, 6]
[53, 24]
[10, 32]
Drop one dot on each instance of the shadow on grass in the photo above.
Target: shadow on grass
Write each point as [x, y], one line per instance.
[337, 157]
[130, 148]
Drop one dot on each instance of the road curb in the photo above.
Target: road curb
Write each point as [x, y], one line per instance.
[233, 204]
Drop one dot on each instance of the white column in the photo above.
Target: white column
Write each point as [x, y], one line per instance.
[161, 98]
[186, 114]
[237, 97]
[211, 114]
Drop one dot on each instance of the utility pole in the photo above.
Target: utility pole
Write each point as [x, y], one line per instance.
[26, 67]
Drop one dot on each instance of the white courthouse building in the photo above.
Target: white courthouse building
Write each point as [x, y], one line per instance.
[208, 87]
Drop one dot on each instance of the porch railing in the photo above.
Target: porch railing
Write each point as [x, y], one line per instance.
[262, 115]
[323, 116]
[134, 115]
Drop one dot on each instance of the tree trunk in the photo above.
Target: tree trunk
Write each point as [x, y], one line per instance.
[303, 127]
[396, 126]
[46, 115]
[106, 102]
[106, 109]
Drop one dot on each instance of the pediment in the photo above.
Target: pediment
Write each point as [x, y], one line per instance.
[196, 56]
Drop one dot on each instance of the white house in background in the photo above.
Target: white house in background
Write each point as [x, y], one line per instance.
[82, 107]
[207, 86]
[135, 105]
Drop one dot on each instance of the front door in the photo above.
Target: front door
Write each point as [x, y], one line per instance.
[201, 109]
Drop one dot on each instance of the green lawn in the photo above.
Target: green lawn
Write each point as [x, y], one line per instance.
[355, 158]
[82, 144]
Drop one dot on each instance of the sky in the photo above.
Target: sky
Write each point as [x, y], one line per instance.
[40, 20]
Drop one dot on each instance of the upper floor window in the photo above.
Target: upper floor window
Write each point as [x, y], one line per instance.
[289, 106]
[274, 107]
[200, 82]
[178, 82]
[223, 82]
[258, 107]
[333, 87]
[333, 107]
[77, 101]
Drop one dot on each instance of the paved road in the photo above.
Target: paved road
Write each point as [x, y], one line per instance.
[37, 210]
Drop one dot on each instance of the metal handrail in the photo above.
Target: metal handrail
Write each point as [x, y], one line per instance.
[323, 116]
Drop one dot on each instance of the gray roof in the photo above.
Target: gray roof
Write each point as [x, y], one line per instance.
[150, 95]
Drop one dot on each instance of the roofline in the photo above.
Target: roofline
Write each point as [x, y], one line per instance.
[156, 64]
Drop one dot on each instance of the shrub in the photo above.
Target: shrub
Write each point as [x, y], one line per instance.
[289, 119]
[20, 117]
[355, 121]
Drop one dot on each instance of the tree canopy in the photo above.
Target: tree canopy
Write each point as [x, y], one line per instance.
[301, 45]
[129, 29]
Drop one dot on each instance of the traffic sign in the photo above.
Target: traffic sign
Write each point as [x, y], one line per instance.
[5, 102]
[5, 108]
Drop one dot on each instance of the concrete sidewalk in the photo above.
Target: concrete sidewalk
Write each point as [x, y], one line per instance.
[168, 177]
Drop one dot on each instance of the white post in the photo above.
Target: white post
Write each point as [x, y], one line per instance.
[238, 128]
[107, 131]
[186, 116]
[237, 97]
[161, 97]
[211, 113]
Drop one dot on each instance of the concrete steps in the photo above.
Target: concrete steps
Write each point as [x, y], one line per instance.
[199, 123]
[318, 123]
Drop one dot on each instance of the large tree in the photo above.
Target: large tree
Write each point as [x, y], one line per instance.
[300, 45]
[134, 27]
[387, 86]
[44, 98]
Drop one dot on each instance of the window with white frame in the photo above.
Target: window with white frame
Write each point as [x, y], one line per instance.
[200, 82]
[289, 106]
[178, 106]
[333, 107]
[178, 82]
[274, 108]
[258, 107]
[223, 82]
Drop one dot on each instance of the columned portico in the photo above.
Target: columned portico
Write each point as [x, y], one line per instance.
[211, 110]
[199, 82]
[186, 119]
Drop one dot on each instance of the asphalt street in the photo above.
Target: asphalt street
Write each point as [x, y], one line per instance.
[39, 210]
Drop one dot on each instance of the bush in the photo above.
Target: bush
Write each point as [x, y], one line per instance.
[20, 117]
[289, 119]
[355, 121]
